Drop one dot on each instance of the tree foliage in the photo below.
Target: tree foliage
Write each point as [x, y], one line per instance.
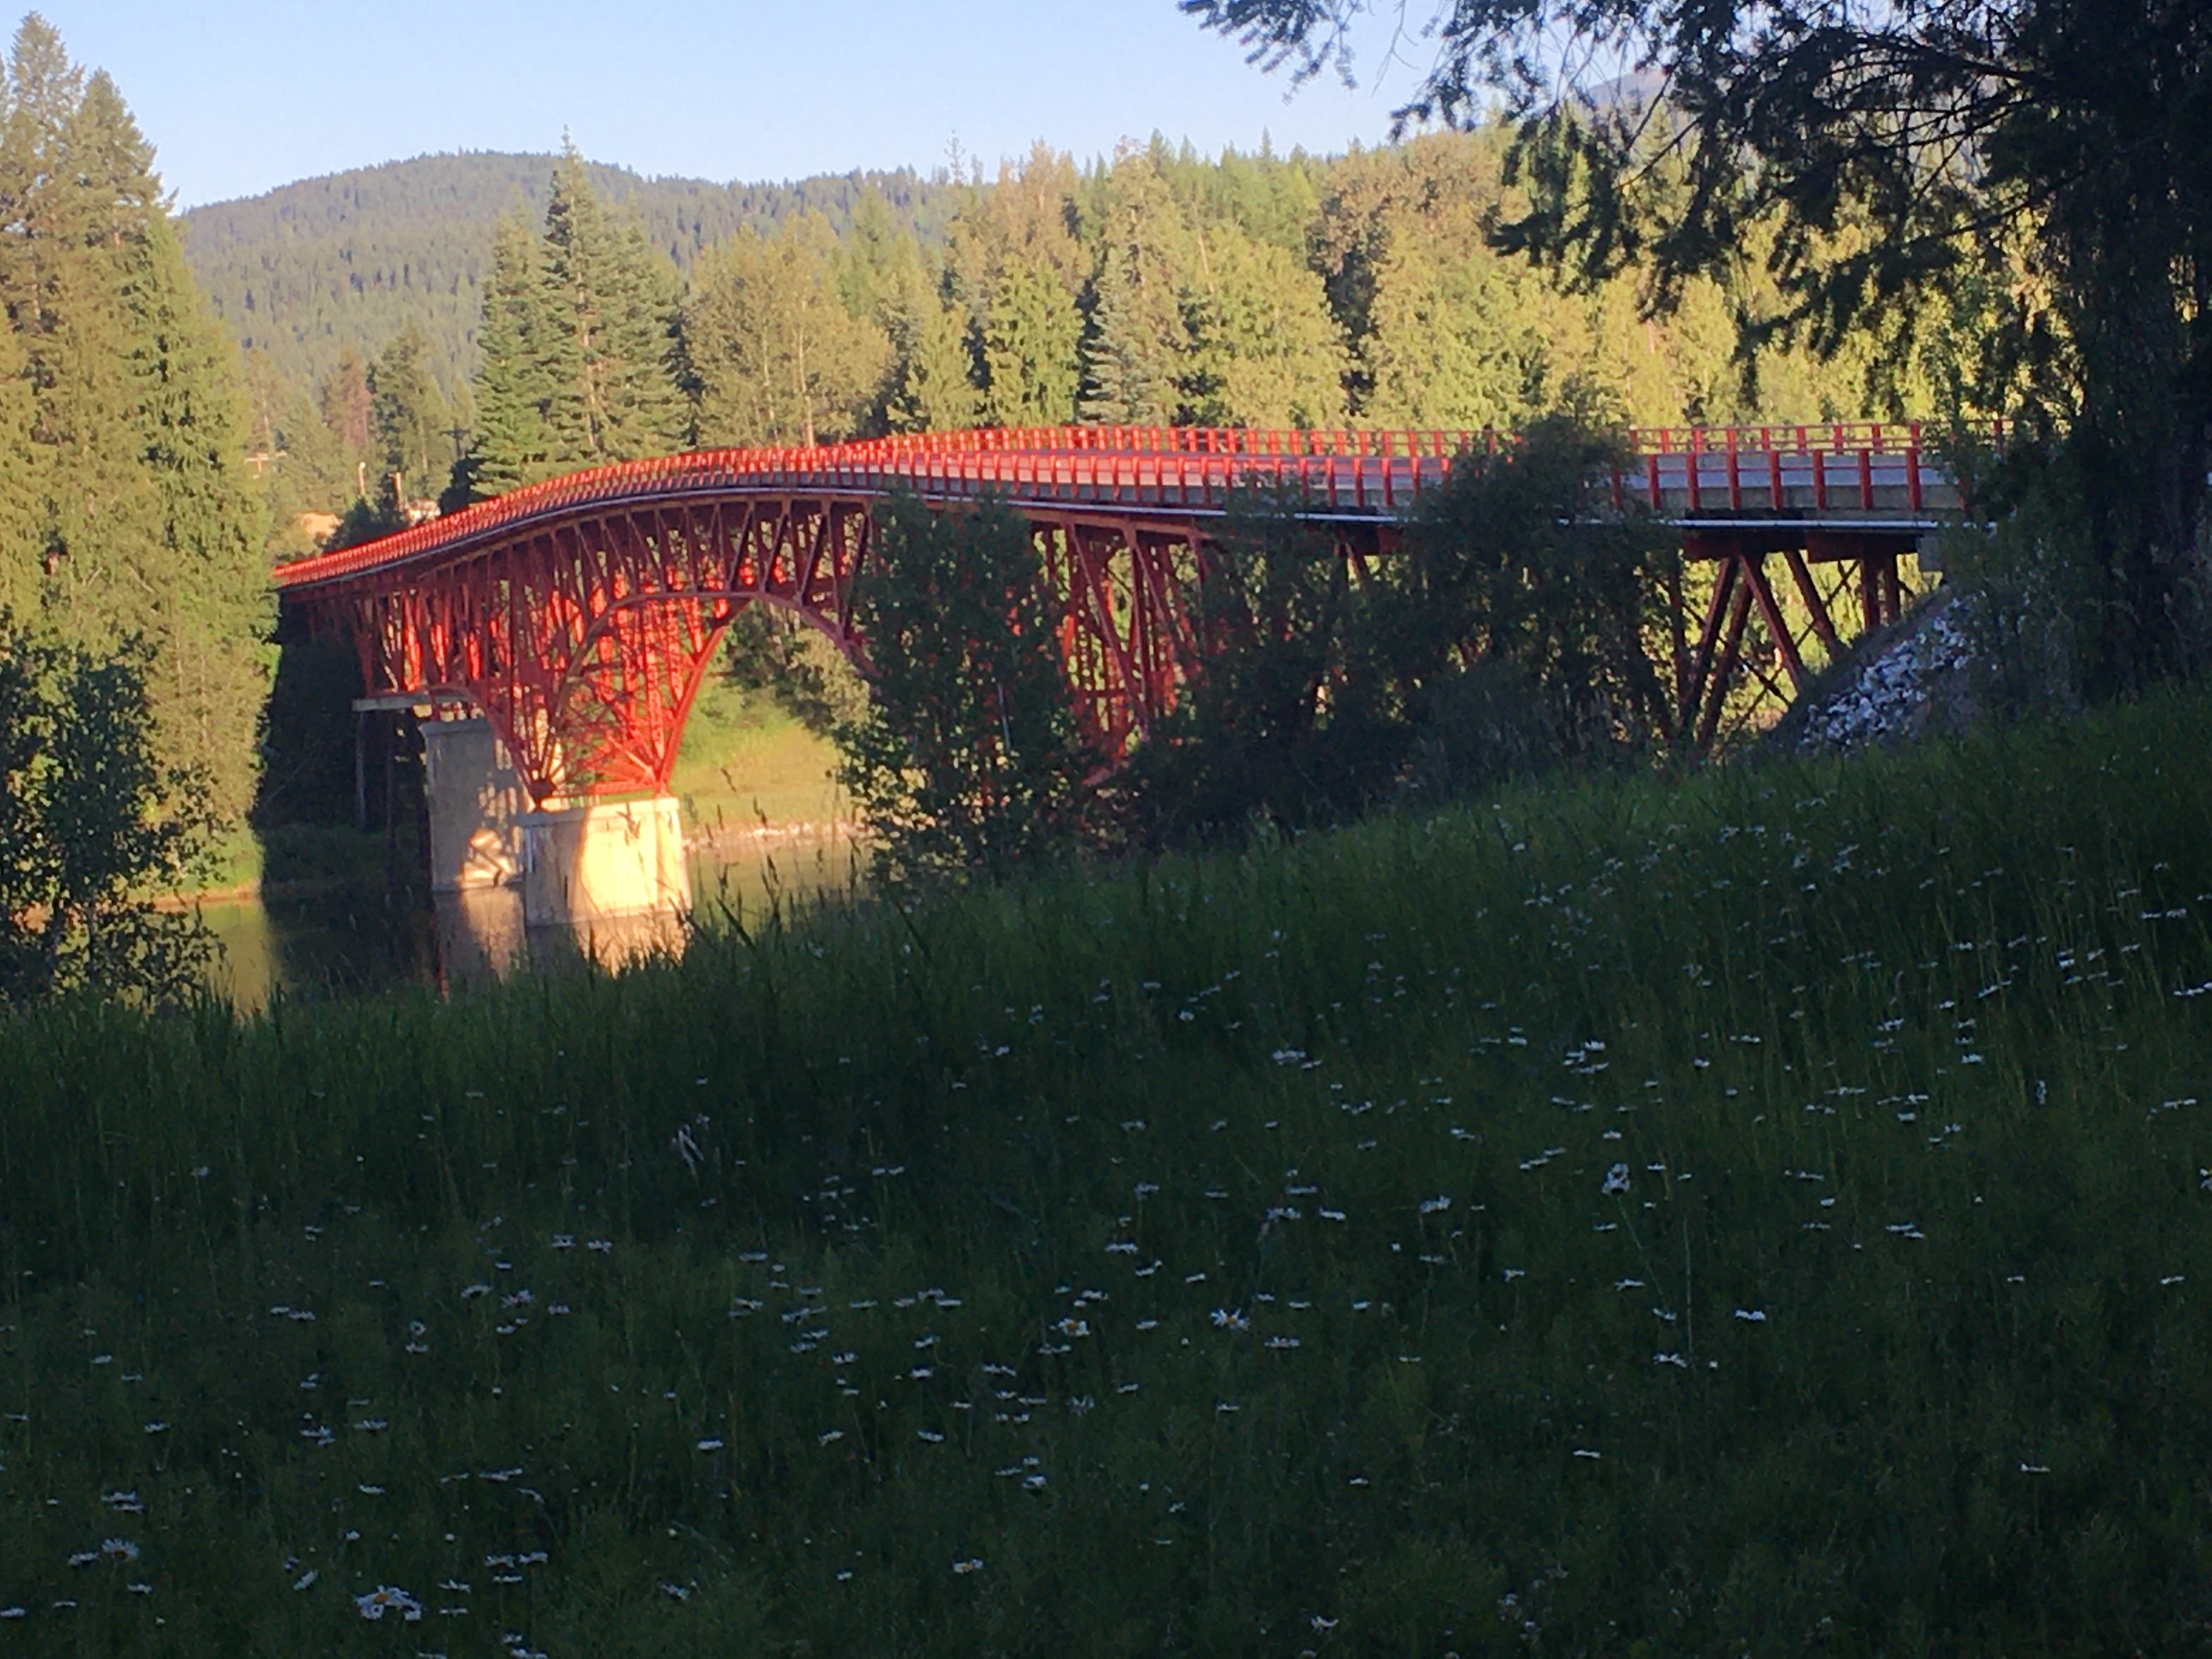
[2015, 193]
[777, 355]
[91, 819]
[580, 358]
[126, 509]
[1520, 626]
[969, 760]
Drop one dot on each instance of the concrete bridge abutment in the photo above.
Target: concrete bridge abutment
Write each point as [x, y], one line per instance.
[610, 872]
[603, 861]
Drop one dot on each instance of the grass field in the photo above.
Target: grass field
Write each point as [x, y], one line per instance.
[1764, 1215]
[744, 762]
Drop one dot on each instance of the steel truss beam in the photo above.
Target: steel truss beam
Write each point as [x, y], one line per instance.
[583, 628]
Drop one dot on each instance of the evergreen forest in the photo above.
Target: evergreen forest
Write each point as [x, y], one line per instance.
[1154, 287]
[189, 397]
[127, 510]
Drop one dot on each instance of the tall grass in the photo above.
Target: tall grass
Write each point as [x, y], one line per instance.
[1762, 1214]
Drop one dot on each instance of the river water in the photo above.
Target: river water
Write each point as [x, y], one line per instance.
[369, 936]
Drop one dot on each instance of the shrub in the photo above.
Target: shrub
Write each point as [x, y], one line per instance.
[91, 822]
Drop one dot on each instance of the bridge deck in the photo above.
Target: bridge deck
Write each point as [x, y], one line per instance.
[1851, 476]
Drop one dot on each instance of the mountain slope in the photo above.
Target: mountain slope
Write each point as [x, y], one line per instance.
[314, 267]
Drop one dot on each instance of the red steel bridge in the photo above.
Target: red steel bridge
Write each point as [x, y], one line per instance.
[580, 614]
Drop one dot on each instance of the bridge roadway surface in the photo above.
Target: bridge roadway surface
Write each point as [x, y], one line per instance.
[579, 615]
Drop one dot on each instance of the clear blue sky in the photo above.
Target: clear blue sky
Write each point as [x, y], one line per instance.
[240, 97]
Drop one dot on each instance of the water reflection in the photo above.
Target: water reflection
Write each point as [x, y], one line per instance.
[345, 941]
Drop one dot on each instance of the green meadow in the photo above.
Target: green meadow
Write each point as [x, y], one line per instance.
[1761, 1214]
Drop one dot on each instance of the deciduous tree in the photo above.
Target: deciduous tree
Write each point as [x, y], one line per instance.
[2053, 153]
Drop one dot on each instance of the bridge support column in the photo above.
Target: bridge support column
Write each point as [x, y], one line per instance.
[604, 861]
[474, 800]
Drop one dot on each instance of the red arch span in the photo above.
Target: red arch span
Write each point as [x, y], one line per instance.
[580, 614]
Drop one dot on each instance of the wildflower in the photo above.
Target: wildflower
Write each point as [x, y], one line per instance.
[389, 1598]
[676, 1592]
[1435, 1206]
[1616, 1180]
[710, 1445]
[306, 1580]
[973, 1564]
[119, 1546]
[831, 1435]
[1231, 1319]
[1752, 1316]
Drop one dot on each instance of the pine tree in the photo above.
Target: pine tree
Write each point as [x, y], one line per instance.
[120, 409]
[932, 384]
[1029, 349]
[580, 355]
[412, 423]
[1265, 351]
[211, 612]
[778, 358]
[1136, 354]
[514, 388]
[611, 333]
[346, 404]
[1461, 342]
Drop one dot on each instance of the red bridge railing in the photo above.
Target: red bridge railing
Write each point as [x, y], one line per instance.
[1196, 468]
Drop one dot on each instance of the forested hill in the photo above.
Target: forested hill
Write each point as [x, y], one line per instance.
[313, 268]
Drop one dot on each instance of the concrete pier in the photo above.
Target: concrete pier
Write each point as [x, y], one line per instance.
[604, 861]
[475, 801]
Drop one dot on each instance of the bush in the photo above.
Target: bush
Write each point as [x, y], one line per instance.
[91, 823]
[1511, 631]
[968, 759]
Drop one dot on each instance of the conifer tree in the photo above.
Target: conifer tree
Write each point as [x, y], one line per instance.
[579, 346]
[412, 424]
[1029, 349]
[514, 386]
[932, 384]
[1136, 351]
[127, 512]
[346, 404]
[778, 358]
[611, 314]
[1265, 351]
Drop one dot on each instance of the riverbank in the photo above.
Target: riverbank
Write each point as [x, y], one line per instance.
[1763, 1214]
